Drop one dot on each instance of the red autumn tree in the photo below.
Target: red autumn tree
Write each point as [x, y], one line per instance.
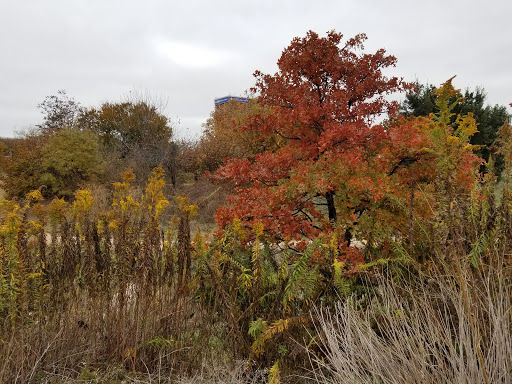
[334, 161]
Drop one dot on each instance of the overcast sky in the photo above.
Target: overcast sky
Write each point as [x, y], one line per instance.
[189, 52]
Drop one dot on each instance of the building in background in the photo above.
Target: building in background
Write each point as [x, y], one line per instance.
[222, 100]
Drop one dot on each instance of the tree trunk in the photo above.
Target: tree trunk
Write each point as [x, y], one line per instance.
[329, 196]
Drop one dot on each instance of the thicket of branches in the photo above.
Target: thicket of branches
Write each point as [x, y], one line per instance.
[76, 146]
[349, 252]
[85, 291]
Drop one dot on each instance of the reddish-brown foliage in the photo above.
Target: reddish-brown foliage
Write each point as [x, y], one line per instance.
[335, 162]
[325, 100]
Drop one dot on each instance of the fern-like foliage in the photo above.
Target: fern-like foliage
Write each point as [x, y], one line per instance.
[245, 277]
[302, 279]
[277, 327]
[257, 327]
[274, 376]
[474, 256]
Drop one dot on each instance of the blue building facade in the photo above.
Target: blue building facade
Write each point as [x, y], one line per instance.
[222, 100]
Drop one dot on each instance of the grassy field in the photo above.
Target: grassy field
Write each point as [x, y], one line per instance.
[134, 288]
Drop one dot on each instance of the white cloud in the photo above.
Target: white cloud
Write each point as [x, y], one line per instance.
[191, 52]
[190, 55]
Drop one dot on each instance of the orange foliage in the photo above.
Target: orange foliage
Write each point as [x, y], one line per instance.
[335, 167]
[223, 137]
[333, 160]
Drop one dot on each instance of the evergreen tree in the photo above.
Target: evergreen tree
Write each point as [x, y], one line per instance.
[489, 118]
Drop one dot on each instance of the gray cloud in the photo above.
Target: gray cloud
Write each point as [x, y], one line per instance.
[191, 52]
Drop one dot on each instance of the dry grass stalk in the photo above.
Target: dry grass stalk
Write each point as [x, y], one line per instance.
[422, 334]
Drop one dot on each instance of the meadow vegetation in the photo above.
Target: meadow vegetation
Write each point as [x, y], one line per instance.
[346, 250]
